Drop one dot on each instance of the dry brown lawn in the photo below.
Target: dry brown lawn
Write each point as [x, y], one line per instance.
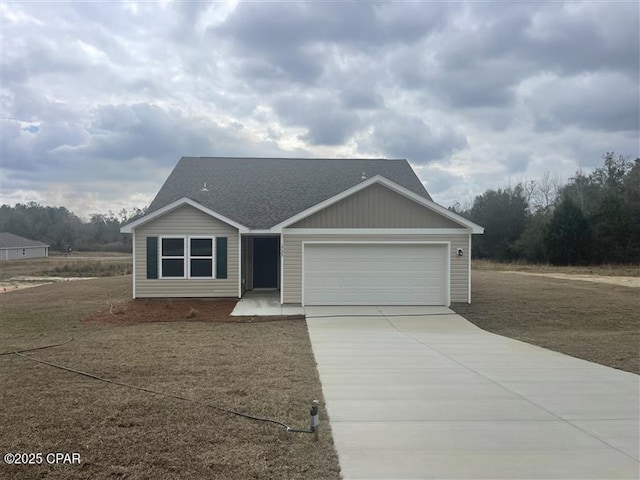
[593, 321]
[83, 264]
[605, 270]
[263, 368]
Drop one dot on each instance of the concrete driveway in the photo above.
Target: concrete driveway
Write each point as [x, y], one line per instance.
[415, 392]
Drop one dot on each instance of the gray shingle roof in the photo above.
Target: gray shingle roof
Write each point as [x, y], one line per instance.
[9, 240]
[261, 192]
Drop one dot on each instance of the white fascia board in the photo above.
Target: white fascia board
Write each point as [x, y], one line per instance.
[128, 228]
[377, 231]
[431, 205]
[266, 231]
[376, 242]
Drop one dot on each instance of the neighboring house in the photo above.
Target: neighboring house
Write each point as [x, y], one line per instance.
[321, 231]
[14, 246]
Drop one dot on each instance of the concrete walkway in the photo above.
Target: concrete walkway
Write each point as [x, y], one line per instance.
[423, 393]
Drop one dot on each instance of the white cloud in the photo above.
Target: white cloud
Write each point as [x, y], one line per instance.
[99, 100]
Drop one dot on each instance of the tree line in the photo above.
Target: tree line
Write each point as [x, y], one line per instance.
[61, 228]
[592, 219]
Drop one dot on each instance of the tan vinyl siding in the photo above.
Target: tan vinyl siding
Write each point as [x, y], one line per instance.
[186, 220]
[292, 284]
[376, 207]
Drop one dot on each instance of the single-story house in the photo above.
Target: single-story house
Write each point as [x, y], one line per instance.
[13, 247]
[318, 231]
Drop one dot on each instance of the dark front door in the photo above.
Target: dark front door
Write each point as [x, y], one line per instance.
[265, 262]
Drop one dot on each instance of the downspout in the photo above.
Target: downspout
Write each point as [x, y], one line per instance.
[282, 268]
[469, 274]
[240, 260]
[133, 269]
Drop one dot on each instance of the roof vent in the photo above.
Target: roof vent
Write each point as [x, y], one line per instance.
[204, 188]
[364, 176]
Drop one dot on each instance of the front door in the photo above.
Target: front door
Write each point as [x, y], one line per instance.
[265, 262]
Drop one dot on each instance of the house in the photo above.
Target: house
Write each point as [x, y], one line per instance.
[318, 231]
[13, 247]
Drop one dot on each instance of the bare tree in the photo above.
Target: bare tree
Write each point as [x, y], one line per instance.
[546, 191]
[529, 188]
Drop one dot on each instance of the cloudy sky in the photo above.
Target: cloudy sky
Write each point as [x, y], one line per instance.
[100, 99]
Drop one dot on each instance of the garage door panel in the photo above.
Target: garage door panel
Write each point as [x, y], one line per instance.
[382, 274]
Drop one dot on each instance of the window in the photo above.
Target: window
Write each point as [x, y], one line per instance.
[24, 251]
[201, 257]
[172, 257]
[186, 257]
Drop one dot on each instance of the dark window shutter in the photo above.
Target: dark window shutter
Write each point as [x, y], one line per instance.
[152, 257]
[221, 257]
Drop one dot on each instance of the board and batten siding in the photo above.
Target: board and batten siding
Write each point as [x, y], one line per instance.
[186, 220]
[375, 207]
[292, 266]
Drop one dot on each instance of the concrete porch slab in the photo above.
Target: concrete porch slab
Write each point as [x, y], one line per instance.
[264, 304]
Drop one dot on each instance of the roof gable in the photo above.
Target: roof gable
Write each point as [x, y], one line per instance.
[376, 206]
[427, 203]
[259, 193]
[128, 228]
[10, 240]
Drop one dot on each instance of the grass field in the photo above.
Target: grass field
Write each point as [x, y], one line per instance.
[593, 321]
[606, 270]
[83, 264]
[263, 368]
[266, 369]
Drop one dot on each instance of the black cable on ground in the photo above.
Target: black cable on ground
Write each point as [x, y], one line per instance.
[163, 394]
[36, 348]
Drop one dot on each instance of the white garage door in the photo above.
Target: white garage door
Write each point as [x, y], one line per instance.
[375, 274]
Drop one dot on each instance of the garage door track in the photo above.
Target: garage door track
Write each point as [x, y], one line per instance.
[420, 392]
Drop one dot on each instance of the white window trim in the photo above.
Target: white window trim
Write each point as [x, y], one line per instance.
[207, 257]
[186, 258]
